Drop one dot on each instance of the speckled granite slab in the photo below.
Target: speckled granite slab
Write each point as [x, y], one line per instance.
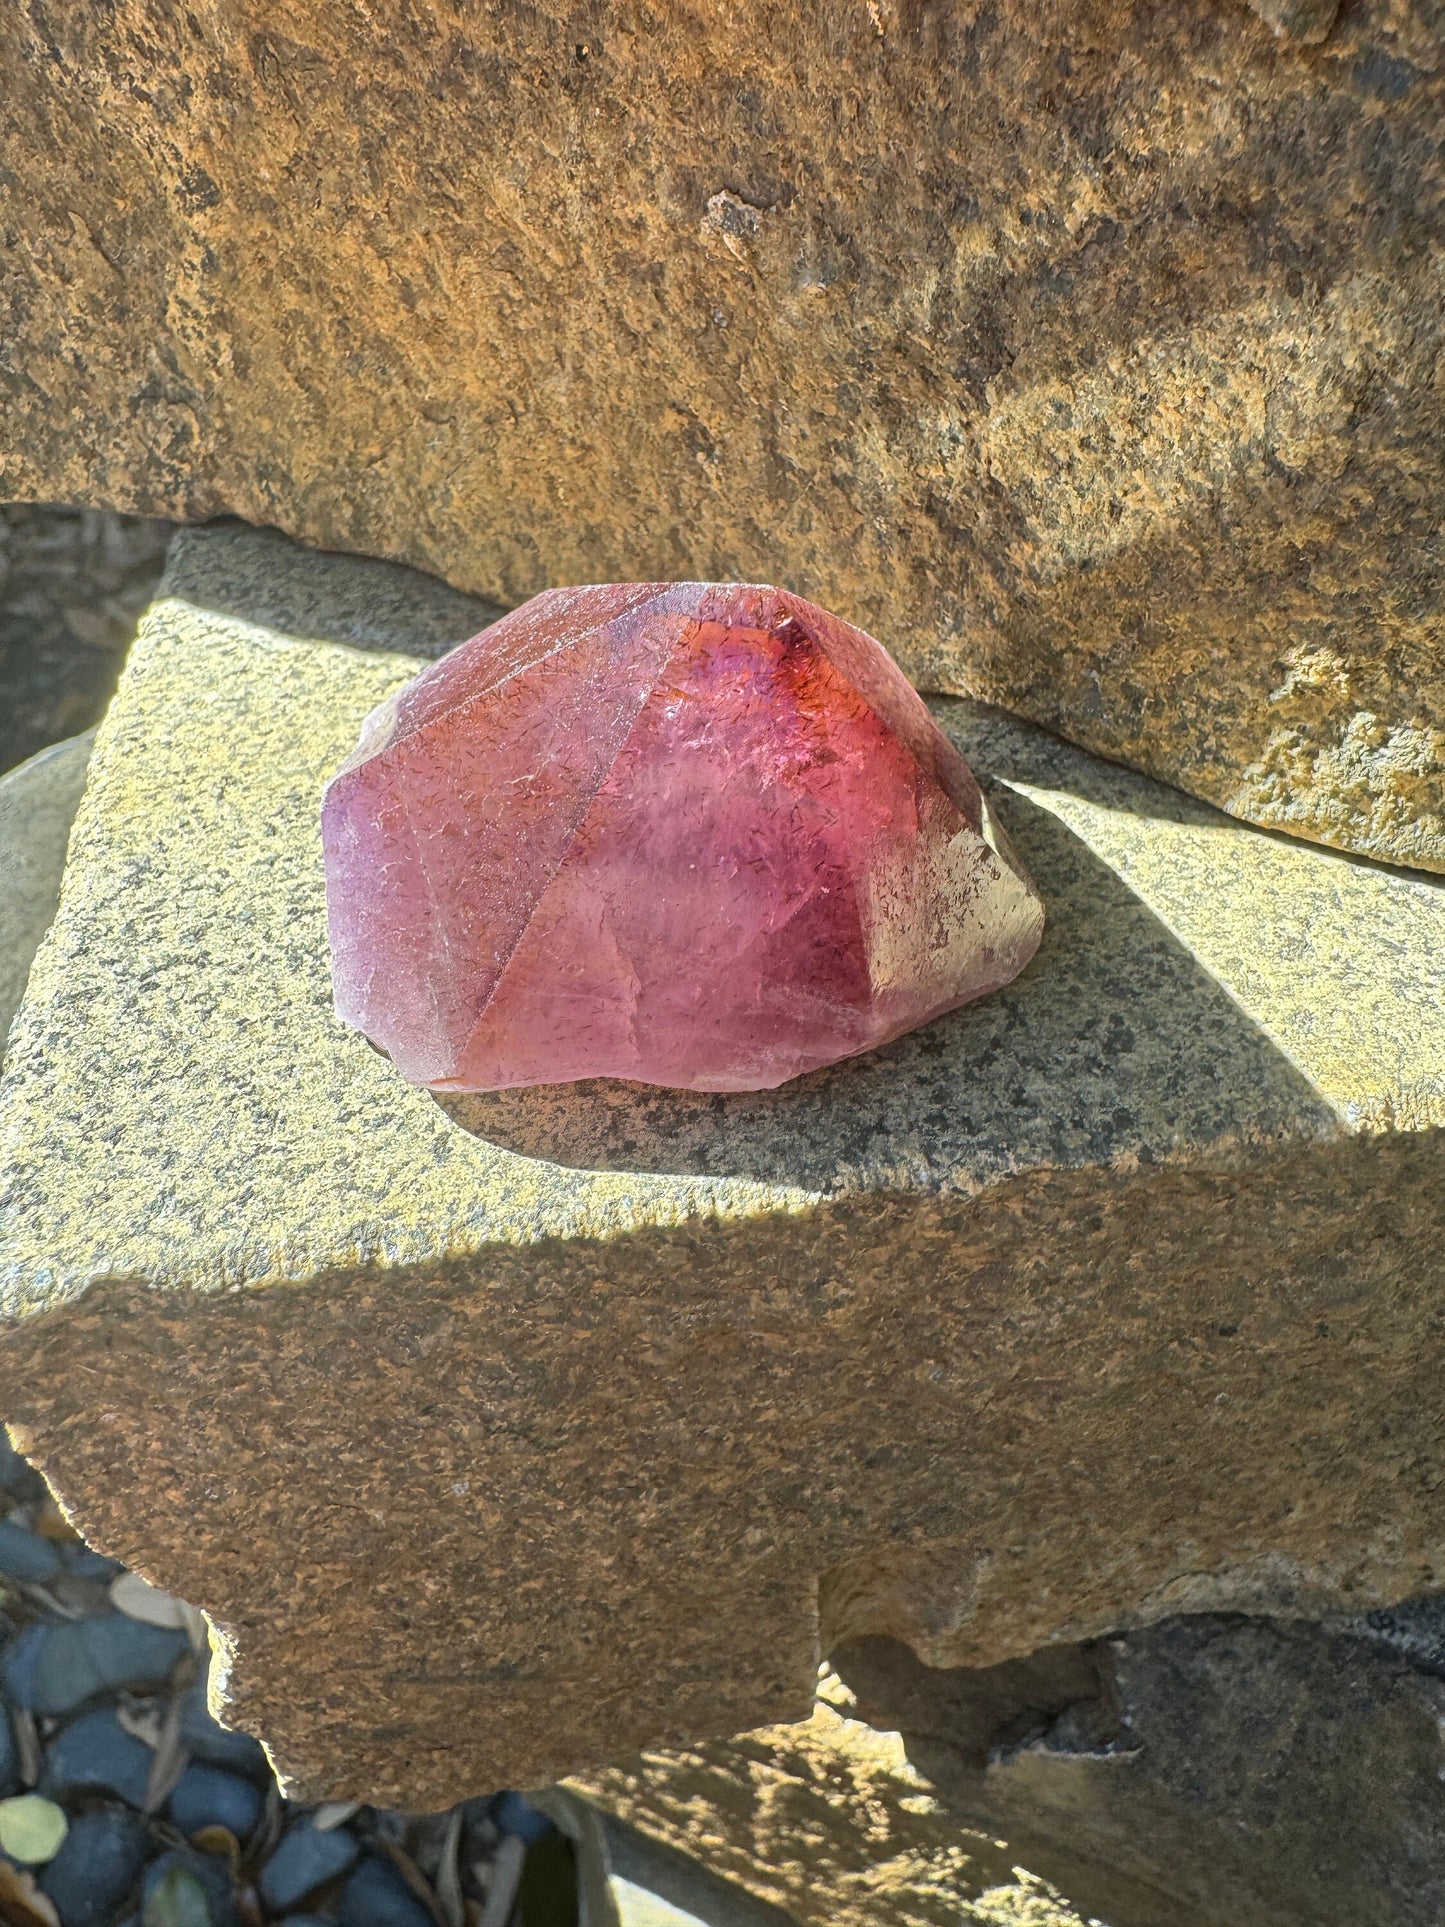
[509, 1437]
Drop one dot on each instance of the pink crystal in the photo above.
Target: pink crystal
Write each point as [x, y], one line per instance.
[689, 833]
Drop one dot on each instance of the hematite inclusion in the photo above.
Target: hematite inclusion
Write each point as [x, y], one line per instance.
[687, 833]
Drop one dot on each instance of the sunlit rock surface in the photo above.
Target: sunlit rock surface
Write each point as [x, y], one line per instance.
[1088, 352]
[1105, 1298]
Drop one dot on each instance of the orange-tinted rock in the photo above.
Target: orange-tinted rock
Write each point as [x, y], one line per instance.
[1088, 350]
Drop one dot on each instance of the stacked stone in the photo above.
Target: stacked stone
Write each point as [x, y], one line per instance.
[1087, 353]
[1084, 1340]
[630, 1403]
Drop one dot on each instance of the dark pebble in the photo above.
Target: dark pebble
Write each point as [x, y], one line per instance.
[212, 1874]
[10, 1460]
[9, 1756]
[82, 1563]
[209, 1796]
[377, 1896]
[303, 1861]
[99, 1862]
[95, 1753]
[19, 1661]
[512, 1814]
[25, 1555]
[79, 1659]
[217, 1745]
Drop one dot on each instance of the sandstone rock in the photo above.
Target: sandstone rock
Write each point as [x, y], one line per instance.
[1087, 353]
[1204, 1772]
[508, 1437]
[827, 1823]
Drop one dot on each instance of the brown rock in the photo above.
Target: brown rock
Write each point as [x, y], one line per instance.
[1214, 1771]
[1089, 352]
[827, 1823]
[504, 1439]
[1308, 21]
[1203, 1772]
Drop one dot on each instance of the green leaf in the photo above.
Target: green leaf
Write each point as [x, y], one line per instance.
[31, 1828]
[177, 1900]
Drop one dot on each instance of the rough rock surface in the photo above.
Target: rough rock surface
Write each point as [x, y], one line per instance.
[73, 584]
[828, 1821]
[1110, 1297]
[1203, 1772]
[37, 804]
[1088, 353]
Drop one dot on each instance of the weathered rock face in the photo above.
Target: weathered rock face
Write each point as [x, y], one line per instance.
[1088, 353]
[1204, 1772]
[37, 804]
[510, 1437]
[1214, 1772]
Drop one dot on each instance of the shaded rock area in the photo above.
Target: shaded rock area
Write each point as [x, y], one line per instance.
[1210, 1771]
[1220, 1770]
[827, 1822]
[37, 804]
[1088, 353]
[1108, 1299]
[73, 583]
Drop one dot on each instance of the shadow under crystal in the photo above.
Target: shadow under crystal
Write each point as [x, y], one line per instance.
[1114, 1034]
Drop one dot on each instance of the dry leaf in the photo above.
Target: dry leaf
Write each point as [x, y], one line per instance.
[171, 1760]
[32, 1829]
[197, 1631]
[506, 1878]
[411, 1873]
[29, 1757]
[259, 1847]
[449, 1873]
[334, 1814]
[138, 1599]
[221, 1842]
[21, 1902]
[143, 1721]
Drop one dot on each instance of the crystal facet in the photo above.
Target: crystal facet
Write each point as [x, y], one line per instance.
[695, 834]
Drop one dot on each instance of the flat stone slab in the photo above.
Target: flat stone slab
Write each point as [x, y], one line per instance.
[38, 800]
[510, 1437]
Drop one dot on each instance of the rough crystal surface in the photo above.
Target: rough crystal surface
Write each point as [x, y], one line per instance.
[695, 834]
